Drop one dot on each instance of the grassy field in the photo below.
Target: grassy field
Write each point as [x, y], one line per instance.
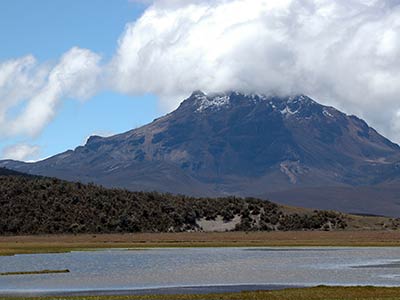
[316, 293]
[63, 243]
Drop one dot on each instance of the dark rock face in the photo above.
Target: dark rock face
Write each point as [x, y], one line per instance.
[233, 143]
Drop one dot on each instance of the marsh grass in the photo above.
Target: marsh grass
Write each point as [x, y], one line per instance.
[34, 272]
[315, 293]
[12, 245]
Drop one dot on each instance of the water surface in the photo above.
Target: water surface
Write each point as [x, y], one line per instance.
[119, 270]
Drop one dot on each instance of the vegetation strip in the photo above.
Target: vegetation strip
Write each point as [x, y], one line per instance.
[34, 272]
[315, 293]
[12, 245]
[39, 205]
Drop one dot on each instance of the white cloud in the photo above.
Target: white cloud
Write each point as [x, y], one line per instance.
[344, 52]
[19, 80]
[21, 152]
[37, 89]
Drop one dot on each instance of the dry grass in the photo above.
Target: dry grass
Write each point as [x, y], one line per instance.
[63, 243]
[316, 293]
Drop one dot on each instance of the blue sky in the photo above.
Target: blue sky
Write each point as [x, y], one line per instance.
[72, 68]
[47, 29]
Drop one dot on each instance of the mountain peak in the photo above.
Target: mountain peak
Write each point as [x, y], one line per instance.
[197, 93]
[205, 102]
[93, 139]
[201, 102]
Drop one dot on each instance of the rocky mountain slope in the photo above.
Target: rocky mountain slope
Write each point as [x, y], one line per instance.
[245, 145]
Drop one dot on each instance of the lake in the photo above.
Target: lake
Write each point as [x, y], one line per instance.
[199, 270]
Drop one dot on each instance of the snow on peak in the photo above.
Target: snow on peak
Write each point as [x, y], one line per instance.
[287, 111]
[287, 106]
[327, 113]
[214, 102]
[299, 98]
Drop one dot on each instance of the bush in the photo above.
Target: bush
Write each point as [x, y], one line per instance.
[39, 205]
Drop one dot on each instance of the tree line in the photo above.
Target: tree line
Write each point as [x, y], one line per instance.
[40, 205]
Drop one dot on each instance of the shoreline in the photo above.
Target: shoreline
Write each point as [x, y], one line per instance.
[12, 245]
[173, 290]
[288, 293]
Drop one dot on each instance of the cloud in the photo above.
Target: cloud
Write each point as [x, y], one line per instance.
[36, 90]
[19, 80]
[344, 53]
[21, 152]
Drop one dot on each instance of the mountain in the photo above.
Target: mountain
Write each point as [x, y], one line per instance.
[291, 149]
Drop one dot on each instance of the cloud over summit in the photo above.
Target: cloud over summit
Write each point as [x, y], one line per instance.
[344, 53]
